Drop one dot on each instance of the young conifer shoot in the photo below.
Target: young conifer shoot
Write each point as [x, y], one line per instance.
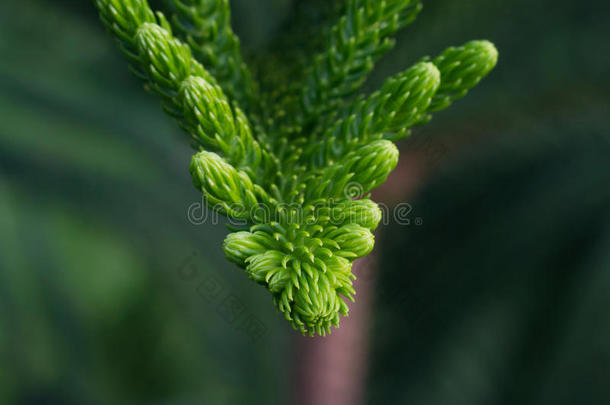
[294, 165]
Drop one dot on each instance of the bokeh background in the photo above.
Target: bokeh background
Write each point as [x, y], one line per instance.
[501, 294]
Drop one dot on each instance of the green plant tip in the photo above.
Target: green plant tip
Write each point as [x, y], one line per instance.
[295, 165]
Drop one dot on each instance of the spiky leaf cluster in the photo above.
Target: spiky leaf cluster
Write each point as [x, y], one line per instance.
[294, 165]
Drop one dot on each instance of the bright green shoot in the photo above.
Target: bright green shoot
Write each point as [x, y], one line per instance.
[294, 165]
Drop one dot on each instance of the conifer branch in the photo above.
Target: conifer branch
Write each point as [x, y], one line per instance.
[461, 69]
[302, 200]
[358, 40]
[205, 25]
[402, 101]
[188, 92]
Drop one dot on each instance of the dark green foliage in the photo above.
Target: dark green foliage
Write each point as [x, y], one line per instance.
[504, 290]
[93, 194]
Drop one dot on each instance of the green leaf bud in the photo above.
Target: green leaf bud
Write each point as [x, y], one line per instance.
[461, 69]
[226, 189]
[356, 174]
[264, 266]
[218, 127]
[375, 162]
[355, 241]
[406, 97]
[364, 212]
[238, 246]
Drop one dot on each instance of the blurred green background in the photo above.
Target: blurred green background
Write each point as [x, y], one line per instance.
[109, 294]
